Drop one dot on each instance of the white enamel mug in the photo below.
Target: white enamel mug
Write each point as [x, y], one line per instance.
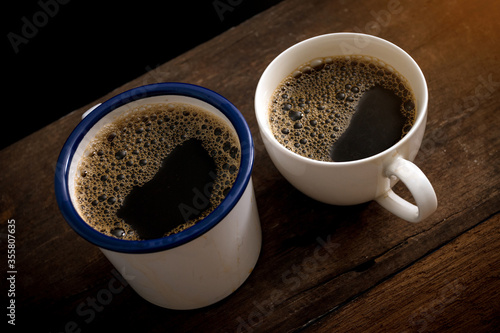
[195, 267]
[359, 181]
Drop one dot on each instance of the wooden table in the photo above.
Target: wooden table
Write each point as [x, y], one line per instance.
[322, 268]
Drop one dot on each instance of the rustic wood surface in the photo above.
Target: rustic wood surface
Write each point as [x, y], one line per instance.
[322, 268]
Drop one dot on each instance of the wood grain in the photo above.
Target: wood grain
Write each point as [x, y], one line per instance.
[322, 267]
[453, 287]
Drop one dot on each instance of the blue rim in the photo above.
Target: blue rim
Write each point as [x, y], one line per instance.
[153, 245]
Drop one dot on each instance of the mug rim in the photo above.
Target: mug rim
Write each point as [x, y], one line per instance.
[61, 180]
[421, 108]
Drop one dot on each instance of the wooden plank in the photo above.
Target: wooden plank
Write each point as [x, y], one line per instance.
[315, 257]
[451, 289]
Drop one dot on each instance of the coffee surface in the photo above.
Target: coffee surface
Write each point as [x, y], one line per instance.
[155, 171]
[342, 108]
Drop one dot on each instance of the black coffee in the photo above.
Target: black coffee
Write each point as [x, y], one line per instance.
[155, 171]
[342, 108]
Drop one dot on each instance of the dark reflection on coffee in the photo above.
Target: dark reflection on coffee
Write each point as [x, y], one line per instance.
[161, 204]
[155, 171]
[342, 108]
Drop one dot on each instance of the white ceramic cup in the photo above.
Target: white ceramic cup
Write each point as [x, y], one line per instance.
[371, 178]
[195, 267]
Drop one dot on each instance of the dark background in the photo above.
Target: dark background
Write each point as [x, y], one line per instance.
[72, 52]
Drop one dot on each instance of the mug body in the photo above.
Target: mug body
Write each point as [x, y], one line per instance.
[340, 183]
[203, 271]
[201, 264]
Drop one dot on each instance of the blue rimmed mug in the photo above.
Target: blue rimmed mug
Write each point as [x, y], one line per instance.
[200, 265]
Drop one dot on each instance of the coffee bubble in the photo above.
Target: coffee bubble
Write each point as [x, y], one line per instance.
[314, 105]
[129, 152]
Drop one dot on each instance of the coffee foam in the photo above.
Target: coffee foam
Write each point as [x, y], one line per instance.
[129, 151]
[313, 106]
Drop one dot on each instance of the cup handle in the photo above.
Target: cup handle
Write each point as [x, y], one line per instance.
[419, 186]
